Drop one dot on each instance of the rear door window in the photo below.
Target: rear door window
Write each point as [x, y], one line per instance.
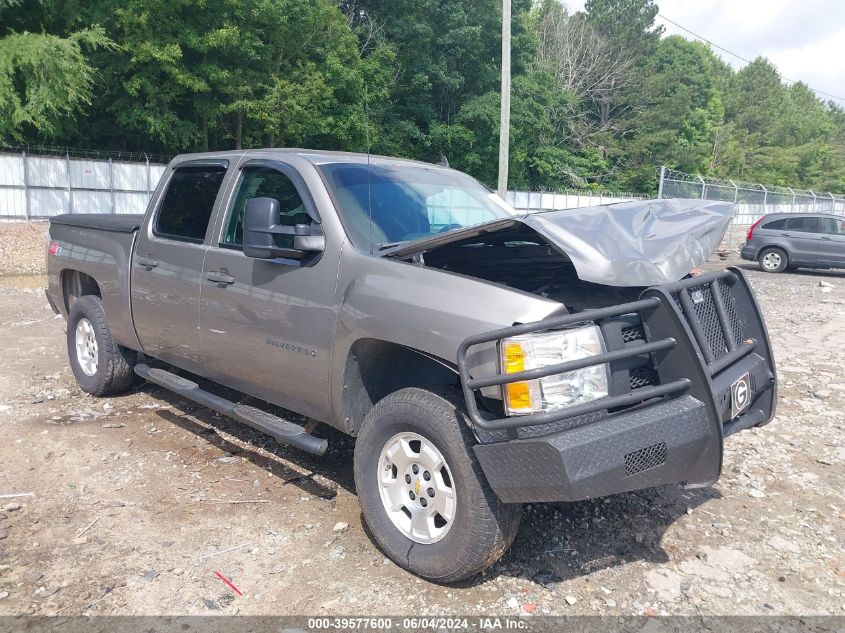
[803, 225]
[188, 202]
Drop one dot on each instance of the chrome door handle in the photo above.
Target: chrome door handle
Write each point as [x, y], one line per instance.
[147, 262]
[220, 277]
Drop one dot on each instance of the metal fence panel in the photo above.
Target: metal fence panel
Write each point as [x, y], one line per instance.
[46, 172]
[11, 170]
[13, 202]
[42, 186]
[49, 202]
[555, 200]
[130, 202]
[92, 201]
[128, 177]
[89, 174]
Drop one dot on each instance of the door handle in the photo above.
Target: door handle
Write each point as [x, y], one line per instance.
[147, 262]
[220, 277]
[826, 237]
[787, 234]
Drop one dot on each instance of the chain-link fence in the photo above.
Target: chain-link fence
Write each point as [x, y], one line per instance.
[753, 200]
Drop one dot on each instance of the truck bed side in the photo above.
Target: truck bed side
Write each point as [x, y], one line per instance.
[91, 254]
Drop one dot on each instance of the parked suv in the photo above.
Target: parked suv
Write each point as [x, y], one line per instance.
[796, 240]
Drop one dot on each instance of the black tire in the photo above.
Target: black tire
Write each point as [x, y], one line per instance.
[114, 364]
[773, 260]
[483, 527]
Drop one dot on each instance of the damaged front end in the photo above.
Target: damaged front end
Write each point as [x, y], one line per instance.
[640, 243]
[585, 257]
[638, 385]
[688, 364]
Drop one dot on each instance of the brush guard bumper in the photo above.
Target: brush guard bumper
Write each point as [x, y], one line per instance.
[701, 341]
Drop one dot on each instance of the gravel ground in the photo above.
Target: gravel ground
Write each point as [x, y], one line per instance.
[22, 248]
[138, 501]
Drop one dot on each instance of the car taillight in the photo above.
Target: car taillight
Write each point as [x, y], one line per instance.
[54, 248]
[751, 230]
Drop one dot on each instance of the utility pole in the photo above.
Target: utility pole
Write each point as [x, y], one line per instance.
[505, 121]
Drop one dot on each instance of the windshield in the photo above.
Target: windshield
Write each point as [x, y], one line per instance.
[382, 205]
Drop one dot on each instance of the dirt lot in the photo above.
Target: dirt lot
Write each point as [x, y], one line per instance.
[22, 248]
[138, 501]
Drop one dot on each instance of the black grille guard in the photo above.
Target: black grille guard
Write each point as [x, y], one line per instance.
[676, 343]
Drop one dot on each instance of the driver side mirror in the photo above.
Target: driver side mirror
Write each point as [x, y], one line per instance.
[261, 224]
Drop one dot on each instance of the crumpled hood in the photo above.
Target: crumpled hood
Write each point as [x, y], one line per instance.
[639, 243]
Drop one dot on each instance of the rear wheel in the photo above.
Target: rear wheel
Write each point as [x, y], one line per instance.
[100, 366]
[422, 492]
[773, 260]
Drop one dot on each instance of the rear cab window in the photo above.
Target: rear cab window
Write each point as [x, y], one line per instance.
[188, 202]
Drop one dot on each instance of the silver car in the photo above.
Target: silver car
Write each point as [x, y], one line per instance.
[780, 241]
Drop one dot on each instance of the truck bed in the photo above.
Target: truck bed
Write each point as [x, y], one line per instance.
[98, 247]
[119, 223]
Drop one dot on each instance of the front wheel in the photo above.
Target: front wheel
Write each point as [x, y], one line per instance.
[100, 366]
[422, 492]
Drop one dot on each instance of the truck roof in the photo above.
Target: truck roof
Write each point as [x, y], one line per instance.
[315, 156]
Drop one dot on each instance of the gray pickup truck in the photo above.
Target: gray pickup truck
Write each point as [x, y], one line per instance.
[481, 358]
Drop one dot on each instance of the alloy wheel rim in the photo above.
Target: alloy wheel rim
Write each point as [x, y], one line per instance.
[416, 488]
[86, 347]
[771, 260]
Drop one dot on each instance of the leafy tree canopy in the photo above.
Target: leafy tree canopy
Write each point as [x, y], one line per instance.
[600, 98]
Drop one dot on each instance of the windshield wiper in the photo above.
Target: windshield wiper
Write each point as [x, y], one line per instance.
[386, 245]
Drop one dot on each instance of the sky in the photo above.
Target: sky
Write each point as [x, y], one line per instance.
[805, 39]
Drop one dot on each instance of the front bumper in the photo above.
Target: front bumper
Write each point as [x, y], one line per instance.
[676, 440]
[671, 432]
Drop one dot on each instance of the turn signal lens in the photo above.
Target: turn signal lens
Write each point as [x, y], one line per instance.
[518, 393]
[514, 358]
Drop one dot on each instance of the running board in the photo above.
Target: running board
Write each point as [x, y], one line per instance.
[281, 430]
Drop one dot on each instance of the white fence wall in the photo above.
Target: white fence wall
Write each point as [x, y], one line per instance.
[33, 187]
[37, 187]
[548, 201]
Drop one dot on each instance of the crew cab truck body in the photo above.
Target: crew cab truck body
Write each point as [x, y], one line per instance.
[481, 358]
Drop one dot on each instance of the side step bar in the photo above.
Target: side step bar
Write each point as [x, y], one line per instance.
[281, 430]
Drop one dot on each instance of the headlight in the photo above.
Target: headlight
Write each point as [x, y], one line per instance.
[558, 391]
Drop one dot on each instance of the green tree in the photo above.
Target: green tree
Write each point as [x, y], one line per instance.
[600, 98]
[45, 79]
[680, 110]
[628, 23]
[447, 54]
